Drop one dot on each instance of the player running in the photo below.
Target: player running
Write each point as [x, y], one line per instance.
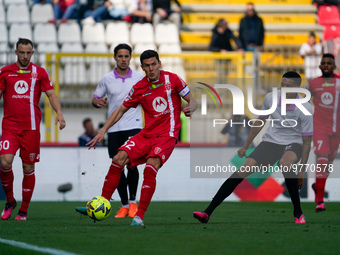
[280, 143]
[325, 91]
[159, 93]
[21, 85]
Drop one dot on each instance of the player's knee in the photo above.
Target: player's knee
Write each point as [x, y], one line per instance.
[121, 158]
[285, 163]
[28, 168]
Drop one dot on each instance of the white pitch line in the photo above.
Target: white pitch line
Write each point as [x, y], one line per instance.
[36, 248]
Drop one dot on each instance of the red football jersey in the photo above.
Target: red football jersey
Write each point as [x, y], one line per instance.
[326, 104]
[22, 90]
[161, 102]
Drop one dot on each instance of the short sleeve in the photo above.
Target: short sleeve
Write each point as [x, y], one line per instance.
[181, 87]
[101, 89]
[45, 82]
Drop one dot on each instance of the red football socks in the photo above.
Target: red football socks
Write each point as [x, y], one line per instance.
[28, 184]
[112, 180]
[321, 178]
[148, 188]
[7, 177]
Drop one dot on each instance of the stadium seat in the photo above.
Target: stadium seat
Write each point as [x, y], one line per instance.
[3, 33]
[41, 13]
[328, 15]
[74, 71]
[99, 66]
[93, 33]
[138, 49]
[172, 64]
[17, 30]
[8, 2]
[69, 33]
[44, 33]
[141, 33]
[166, 33]
[46, 47]
[117, 32]
[331, 32]
[3, 53]
[2, 14]
[170, 48]
[18, 13]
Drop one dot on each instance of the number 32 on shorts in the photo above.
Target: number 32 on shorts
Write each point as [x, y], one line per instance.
[128, 144]
[4, 145]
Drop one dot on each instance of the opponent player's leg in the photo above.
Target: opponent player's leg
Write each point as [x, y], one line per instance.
[132, 182]
[113, 176]
[28, 184]
[226, 189]
[289, 158]
[7, 178]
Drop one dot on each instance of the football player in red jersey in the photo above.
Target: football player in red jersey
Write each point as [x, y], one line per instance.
[159, 93]
[21, 85]
[325, 91]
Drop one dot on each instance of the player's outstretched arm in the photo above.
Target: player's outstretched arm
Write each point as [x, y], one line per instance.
[254, 131]
[52, 96]
[307, 140]
[192, 105]
[99, 102]
[113, 119]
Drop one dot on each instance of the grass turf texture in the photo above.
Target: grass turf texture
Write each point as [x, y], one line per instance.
[234, 228]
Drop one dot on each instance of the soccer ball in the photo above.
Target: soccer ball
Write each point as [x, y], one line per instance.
[98, 208]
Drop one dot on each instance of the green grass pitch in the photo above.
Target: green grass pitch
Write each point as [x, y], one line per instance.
[234, 228]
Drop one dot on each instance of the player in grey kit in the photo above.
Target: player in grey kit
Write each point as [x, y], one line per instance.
[280, 143]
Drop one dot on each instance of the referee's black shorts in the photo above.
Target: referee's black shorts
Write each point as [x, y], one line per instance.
[117, 139]
[267, 153]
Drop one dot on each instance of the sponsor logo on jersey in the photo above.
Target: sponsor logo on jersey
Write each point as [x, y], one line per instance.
[326, 84]
[11, 75]
[157, 150]
[32, 156]
[21, 87]
[23, 71]
[326, 98]
[147, 94]
[159, 104]
[34, 75]
[155, 86]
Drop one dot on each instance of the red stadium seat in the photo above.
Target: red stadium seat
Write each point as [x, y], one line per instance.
[331, 32]
[328, 15]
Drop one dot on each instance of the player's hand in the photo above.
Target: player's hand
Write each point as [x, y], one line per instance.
[101, 102]
[187, 111]
[242, 152]
[62, 122]
[97, 139]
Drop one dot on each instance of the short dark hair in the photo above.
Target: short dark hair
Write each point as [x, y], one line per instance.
[148, 54]
[85, 121]
[121, 46]
[23, 41]
[328, 55]
[294, 76]
[311, 33]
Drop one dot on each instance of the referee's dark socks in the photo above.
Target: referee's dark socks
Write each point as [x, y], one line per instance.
[292, 186]
[225, 190]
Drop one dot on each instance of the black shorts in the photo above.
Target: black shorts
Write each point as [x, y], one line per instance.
[117, 139]
[267, 153]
